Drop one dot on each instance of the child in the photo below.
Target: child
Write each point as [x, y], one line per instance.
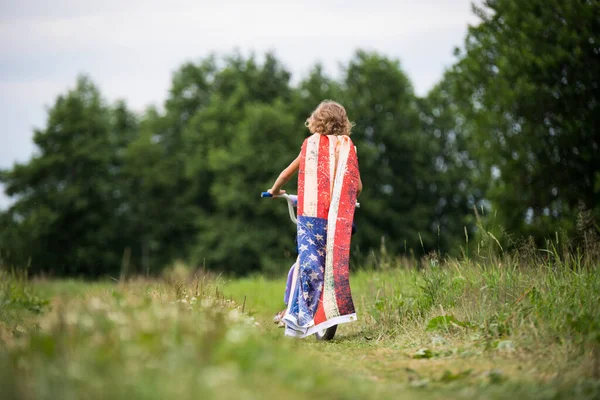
[318, 292]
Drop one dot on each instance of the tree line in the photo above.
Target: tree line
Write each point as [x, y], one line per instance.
[509, 135]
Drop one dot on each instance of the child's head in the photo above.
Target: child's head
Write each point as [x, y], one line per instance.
[329, 118]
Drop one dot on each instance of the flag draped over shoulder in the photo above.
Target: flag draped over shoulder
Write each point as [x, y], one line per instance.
[327, 188]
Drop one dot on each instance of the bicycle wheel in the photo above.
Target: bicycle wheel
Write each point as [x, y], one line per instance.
[326, 334]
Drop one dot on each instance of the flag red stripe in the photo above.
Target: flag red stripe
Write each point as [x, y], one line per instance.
[343, 234]
[323, 178]
[320, 314]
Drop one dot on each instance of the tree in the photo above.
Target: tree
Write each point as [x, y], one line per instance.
[67, 217]
[453, 179]
[245, 233]
[529, 82]
[234, 149]
[395, 156]
[311, 91]
[164, 202]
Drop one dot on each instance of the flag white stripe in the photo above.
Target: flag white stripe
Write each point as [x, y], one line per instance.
[311, 197]
[329, 299]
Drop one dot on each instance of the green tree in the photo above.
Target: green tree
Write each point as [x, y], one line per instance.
[68, 213]
[164, 205]
[245, 233]
[453, 178]
[149, 192]
[234, 148]
[529, 82]
[316, 87]
[396, 156]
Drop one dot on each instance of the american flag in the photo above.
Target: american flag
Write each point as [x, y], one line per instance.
[327, 187]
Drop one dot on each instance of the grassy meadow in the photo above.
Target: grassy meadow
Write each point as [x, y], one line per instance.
[484, 327]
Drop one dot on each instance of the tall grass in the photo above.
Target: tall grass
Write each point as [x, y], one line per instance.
[158, 340]
[490, 325]
[19, 304]
[536, 307]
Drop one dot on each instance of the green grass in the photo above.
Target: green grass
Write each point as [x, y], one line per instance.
[19, 305]
[492, 328]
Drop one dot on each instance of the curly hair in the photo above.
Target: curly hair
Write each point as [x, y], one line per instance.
[329, 118]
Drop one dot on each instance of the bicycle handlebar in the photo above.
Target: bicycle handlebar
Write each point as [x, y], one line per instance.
[292, 201]
[289, 197]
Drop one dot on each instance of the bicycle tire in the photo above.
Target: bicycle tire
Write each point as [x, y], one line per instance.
[326, 334]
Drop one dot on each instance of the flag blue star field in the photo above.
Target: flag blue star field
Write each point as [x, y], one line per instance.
[312, 241]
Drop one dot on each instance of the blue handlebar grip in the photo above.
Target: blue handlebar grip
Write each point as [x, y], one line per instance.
[266, 194]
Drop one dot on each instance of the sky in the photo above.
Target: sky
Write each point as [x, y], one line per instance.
[130, 48]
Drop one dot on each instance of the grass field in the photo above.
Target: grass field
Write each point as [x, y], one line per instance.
[488, 328]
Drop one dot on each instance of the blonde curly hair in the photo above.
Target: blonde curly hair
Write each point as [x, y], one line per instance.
[329, 118]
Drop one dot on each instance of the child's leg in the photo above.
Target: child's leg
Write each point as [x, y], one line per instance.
[286, 297]
[288, 285]
[286, 294]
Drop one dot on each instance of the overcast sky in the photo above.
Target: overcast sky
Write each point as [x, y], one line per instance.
[131, 47]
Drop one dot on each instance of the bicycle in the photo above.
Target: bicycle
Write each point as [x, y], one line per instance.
[292, 201]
